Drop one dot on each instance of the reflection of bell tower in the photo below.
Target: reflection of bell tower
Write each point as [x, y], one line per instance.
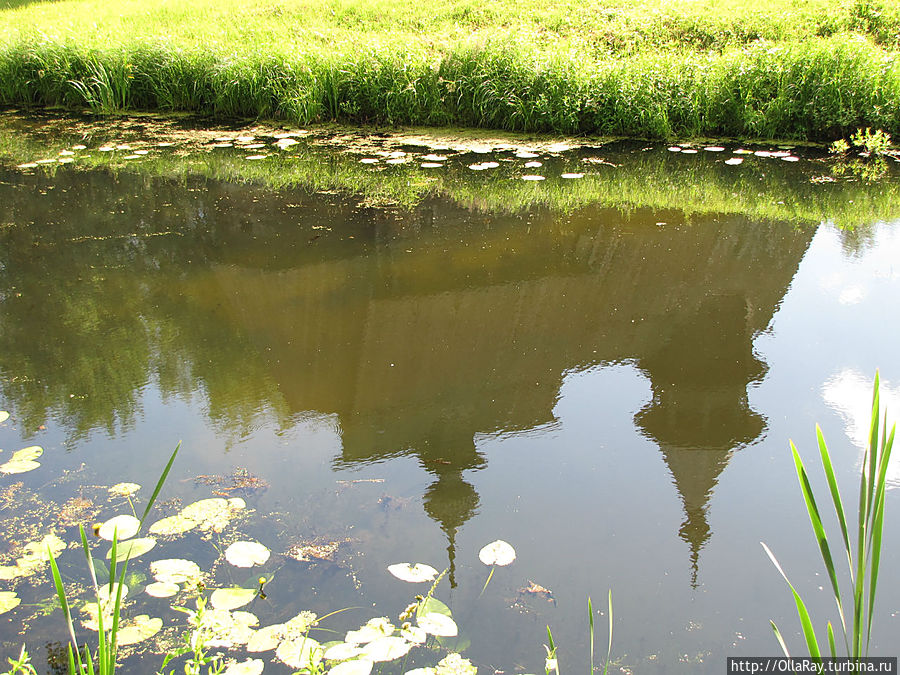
[699, 414]
[451, 501]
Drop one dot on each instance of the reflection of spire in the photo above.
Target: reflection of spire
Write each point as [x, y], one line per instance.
[699, 414]
[451, 501]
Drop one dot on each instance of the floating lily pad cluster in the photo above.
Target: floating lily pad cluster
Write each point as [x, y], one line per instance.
[23, 460]
[208, 515]
[35, 555]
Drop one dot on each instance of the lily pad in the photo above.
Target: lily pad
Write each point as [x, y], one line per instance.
[437, 624]
[342, 651]
[124, 527]
[266, 638]
[386, 649]
[175, 570]
[124, 489]
[413, 573]
[497, 553]
[8, 600]
[246, 554]
[414, 634]
[138, 630]
[23, 460]
[355, 667]
[248, 667]
[231, 598]
[302, 653]
[129, 550]
[162, 589]
[34, 556]
[172, 525]
[375, 628]
[105, 594]
[3, 416]
[224, 628]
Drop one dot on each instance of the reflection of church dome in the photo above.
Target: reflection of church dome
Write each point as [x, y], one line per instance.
[699, 414]
[451, 501]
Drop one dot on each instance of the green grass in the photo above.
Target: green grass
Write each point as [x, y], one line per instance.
[815, 70]
[862, 563]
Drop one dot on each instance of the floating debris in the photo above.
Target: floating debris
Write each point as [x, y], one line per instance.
[28, 165]
[533, 165]
[431, 165]
[791, 158]
[714, 148]
[526, 154]
[572, 175]
[532, 177]
[79, 147]
[484, 165]
[368, 160]
[674, 148]
[123, 489]
[434, 158]
[253, 146]
[689, 151]
[245, 139]
[536, 589]
[222, 145]
[314, 551]
[66, 153]
[256, 156]
[734, 161]
[34, 557]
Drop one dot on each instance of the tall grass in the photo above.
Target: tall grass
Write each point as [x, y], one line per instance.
[103, 660]
[855, 606]
[817, 90]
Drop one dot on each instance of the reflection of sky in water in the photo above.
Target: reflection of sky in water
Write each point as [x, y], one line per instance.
[850, 393]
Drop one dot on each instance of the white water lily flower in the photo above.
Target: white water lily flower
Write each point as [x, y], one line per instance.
[414, 574]
[386, 649]
[124, 527]
[497, 553]
[440, 625]
[355, 667]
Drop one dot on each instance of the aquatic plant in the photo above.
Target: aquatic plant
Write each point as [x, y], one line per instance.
[856, 609]
[551, 663]
[103, 660]
[21, 665]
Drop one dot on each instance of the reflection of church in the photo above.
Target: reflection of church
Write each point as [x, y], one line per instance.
[443, 324]
[421, 329]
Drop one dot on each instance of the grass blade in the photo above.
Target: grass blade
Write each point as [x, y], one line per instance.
[159, 483]
[780, 639]
[831, 641]
[819, 530]
[609, 641]
[591, 626]
[835, 495]
[809, 632]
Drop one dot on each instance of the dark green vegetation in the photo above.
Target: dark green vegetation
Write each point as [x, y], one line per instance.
[659, 69]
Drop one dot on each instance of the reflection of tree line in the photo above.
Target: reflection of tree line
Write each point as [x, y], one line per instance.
[421, 330]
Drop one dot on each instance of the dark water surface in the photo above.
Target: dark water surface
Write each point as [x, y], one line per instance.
[610, 389]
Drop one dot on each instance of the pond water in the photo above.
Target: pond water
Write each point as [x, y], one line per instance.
[392, 368]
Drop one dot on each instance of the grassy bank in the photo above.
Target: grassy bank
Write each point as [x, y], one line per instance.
[660, 69]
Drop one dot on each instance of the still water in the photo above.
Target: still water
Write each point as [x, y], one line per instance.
[609, 386]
